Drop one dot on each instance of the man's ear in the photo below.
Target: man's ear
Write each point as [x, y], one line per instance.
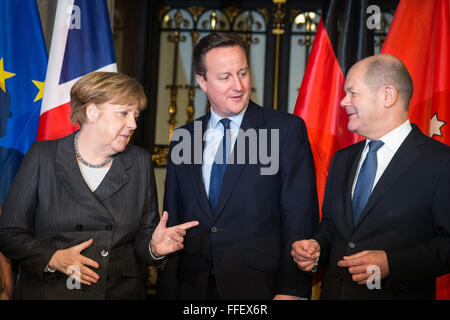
[201, 82]
[390, 96]
[92, 112]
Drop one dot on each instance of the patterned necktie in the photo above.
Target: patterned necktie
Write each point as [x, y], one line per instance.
[366, 177]
[218, 168]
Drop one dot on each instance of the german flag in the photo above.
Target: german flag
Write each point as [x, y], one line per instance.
[342, 39]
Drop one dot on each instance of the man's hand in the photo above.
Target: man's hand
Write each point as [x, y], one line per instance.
[358, 264]
[65, 261]
[305, 254]
[167, 240]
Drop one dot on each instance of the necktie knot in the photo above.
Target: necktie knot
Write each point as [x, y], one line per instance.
[226, 123]
[374, 145]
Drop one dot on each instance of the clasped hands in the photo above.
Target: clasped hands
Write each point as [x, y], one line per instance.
[306, 254]
[164, 240]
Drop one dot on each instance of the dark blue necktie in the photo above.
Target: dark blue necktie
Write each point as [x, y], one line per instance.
[366, 177]
[218, 168]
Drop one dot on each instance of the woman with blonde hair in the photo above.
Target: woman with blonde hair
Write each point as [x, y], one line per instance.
[81, 217]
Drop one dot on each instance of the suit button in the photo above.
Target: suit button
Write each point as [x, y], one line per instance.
[79, 227]
[338, 279]
[108, 227]
[351, 245]
[213, 229]
[104, 253]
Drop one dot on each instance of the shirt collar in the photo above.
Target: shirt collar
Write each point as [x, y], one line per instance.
[236, 120]
[394, 138]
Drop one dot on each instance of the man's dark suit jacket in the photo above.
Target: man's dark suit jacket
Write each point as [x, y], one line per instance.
[247, 242]
[407, 215]
[50, 207]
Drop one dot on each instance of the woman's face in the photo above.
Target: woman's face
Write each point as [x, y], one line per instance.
[114, 125]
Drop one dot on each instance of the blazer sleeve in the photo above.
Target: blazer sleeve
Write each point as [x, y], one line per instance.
[431, 257]
[17, 220]
[299, 205]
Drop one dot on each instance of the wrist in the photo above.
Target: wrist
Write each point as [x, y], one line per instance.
[53, 262]
[154, 253]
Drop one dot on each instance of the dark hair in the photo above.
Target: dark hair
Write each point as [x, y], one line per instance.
[211, 41]
[384, 70]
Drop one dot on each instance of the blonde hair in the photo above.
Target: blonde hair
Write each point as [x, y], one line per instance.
[102, 87]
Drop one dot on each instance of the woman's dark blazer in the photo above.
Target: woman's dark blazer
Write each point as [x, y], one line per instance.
[50, 207]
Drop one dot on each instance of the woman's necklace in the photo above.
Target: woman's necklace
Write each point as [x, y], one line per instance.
[77, 152]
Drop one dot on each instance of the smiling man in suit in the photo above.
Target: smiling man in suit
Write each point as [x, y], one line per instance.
[249, 214]
[385, 231]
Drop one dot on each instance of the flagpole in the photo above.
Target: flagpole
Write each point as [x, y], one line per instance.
[278, 19]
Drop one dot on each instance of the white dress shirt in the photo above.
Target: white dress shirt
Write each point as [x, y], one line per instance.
[213, 138]
[392, 142]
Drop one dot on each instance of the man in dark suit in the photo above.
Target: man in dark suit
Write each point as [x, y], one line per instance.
[250, 210]
[385, 231]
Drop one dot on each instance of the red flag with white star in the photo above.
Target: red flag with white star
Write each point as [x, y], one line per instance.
[420, 36]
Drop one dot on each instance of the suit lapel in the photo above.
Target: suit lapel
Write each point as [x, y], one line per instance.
[402, 160]
[115, 179]
[68, 171]
[196, 168]
[253, 118]
[355, 157]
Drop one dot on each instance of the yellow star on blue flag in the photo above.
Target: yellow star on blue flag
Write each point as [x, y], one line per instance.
[40, 86]
[4, 75]
[23, 64]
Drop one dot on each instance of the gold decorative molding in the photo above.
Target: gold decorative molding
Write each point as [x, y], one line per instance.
[151, 280]
[190, 109]
[306, 19]
[159, 155]
[196, 12]
[279, 16]
[179, 20]
[383, 31]
[163, 10]
[175, 38]
[265, 12]
[232, 13]
[214, 22]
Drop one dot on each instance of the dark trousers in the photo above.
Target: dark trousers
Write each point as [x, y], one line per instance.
[212, 293]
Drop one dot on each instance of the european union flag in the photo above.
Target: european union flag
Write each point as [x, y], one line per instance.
[23, 63]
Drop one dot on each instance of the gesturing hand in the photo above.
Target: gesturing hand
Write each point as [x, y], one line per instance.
[167, 240]
[359, 263]
[305, 254]
[70, 260]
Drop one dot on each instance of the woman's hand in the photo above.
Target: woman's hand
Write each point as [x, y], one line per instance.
[167, 240]
[71, 262]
